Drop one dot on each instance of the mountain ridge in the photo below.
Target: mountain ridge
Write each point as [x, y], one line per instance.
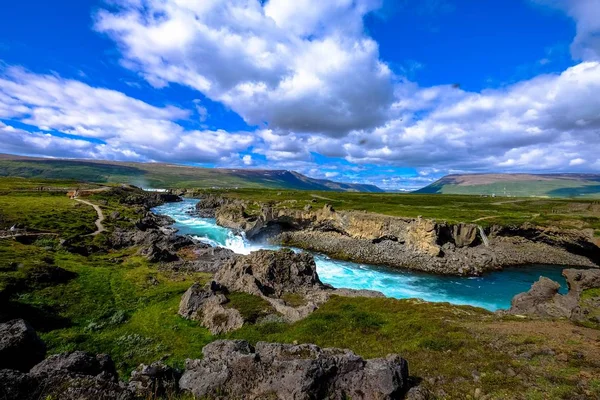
[518, 185]
[167, 175]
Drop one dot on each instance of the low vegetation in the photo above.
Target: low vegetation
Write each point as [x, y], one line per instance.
[485, 211]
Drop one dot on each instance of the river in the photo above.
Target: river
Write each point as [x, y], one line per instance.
[492, 291]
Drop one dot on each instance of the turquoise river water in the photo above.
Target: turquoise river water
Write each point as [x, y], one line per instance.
[492, 291]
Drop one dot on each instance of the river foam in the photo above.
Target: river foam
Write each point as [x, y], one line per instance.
[492, 291]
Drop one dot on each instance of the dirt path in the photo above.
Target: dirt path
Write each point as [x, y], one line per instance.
[100, 217]
[484, 218]
[499, 203]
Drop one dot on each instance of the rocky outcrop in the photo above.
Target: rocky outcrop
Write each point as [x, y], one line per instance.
[208, 306]
[234, 369]
[69, 376]
[543, 299]
[270, 275]
[208, 204]
[413, 243]
[156, 380]
[205, 259]
[20, 346]
[156, 241]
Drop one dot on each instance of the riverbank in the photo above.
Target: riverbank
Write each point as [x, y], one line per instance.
[419, 244]
[491, 291]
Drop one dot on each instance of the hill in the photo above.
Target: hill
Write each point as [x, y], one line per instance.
[518, 185]
[157, 175]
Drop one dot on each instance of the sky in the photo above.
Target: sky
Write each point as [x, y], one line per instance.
[395, 93]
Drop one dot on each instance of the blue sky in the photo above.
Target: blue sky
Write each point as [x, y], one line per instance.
[395, 93]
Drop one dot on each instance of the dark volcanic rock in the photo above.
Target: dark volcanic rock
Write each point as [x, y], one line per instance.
[234, 369]
[20, 346]
[207, 305]
[16, 385]
[154, 380]
[69, 376]
[271, 273]
[79, 363]
[266, 274]
[210, 259]
[208, 204]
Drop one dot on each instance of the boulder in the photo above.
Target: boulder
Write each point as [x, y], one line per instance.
[16, 385]
[579, 280]
[68, 376]
[207, 305]
[211, 259]
[271, 273]
[156, 380]
[543, 299]
[77, 363]
[20, 346]
[233, 369]
[535, 301]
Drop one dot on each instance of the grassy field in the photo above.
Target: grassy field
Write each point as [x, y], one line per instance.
[118, 303]
[485, 211]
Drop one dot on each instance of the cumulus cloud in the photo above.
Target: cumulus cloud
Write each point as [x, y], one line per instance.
[586, 13]
[543, 123]
[311, 80]
[83, 114]
[302, 66]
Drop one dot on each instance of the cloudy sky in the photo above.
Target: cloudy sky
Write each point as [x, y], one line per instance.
[391, 92]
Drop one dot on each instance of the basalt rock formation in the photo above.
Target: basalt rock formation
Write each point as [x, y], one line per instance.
[70, 376]
[581, 303]
[235, 370]
[414, 243]
[20, 346]
[208, 305]
[270, 275]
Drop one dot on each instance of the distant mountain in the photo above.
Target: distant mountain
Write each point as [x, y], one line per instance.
[518, 185]
[156, 175]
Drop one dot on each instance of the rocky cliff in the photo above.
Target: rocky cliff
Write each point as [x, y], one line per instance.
[414, 243]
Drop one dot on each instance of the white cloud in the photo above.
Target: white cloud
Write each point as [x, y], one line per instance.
[303, 66]
[123, 124]
[586, 13]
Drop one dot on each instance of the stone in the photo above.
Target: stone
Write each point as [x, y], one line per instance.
[154, 380]
[270, 273]
[207, 305]
[536, 298]
[543, 300]
[418, 393]
[78, 363]
[233, 369]
[20, 346]
[69, 376]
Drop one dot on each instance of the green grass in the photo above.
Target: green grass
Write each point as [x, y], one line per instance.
[450, 208]
[590, 293]
[46, 212]
[250, 306]
[294, 299]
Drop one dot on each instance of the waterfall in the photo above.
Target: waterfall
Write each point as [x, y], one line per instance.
[485, 239]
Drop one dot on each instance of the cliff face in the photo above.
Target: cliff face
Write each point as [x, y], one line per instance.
[421, 244]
